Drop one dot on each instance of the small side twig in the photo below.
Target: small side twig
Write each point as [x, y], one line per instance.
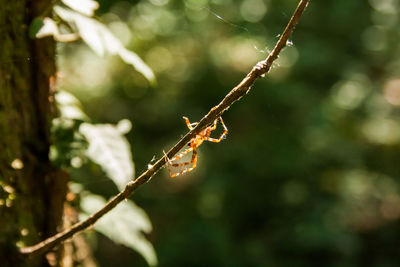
[235, 94]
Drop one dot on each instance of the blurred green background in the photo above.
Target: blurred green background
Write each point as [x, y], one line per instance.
[309, 172]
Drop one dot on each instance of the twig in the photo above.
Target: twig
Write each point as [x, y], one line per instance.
[235, 94]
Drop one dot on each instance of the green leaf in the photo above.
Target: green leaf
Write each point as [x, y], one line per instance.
[110, 149]
[125, 225]
[49, 28]
[133, 59]
[69, 106]
[68, 147]
[99, 38]
[86, 7]
[35, 27]
[87, 27]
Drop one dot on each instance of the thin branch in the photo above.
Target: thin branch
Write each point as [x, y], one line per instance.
[235, 94]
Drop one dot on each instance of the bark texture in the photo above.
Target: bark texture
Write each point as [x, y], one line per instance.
[31, 191]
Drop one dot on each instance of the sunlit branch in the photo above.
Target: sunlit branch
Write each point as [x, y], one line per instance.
[235, 94]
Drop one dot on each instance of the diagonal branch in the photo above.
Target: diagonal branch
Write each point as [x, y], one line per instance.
[235, 94]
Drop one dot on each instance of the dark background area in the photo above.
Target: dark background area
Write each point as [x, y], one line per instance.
[309, 172]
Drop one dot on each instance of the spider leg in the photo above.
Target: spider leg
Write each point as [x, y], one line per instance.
[215, 140]
[184, 163]
[168, 162]
[181, 154]
[193, 162]
[189, 125]
[214, 126]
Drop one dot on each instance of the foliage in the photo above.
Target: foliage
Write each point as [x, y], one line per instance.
[76, 137]
[123, 225]
[104, 144]
[109, 149]
[78, 16]
[69, 145]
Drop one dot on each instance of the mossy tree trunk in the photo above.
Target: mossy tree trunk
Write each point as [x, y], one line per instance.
[31, 190]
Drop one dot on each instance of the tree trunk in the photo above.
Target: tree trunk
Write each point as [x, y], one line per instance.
[31, 190]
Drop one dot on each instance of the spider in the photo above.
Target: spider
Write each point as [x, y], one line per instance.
[193, 144]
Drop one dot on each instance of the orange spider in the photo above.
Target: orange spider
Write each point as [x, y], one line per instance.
[193, 144]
